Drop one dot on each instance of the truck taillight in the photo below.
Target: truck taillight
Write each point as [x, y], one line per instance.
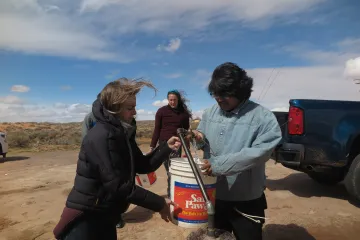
[296, 121]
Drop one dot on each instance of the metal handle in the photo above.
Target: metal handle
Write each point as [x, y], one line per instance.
[209, 205]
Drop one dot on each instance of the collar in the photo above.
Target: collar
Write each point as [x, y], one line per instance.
[236, 110]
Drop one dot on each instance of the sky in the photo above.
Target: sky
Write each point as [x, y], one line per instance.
[57, 55]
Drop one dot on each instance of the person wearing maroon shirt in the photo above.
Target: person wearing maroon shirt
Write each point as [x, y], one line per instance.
[167, 120]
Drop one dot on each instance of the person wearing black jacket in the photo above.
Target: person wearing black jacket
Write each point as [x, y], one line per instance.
[108, 160]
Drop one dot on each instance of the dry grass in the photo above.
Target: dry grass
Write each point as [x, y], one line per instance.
[39, 137]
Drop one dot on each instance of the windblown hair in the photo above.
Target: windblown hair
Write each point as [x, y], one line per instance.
[182, 106]
[115, 93]
[229, 80]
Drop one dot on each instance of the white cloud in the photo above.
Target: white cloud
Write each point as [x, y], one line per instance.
[160, 103]
[33, 27]
[342, 51]
[59, 112]
[61, 105]
[11, 100]
[274, 87]
[173, 46]
[173, 75]
[20, 88]
[280, 109]
[160, 64]
[184, 16]
[66, 87]
[143, 114]
[352, 69]
[112, 75]
[87, 29]
[316, 82]
[16, 110]
[197, 114]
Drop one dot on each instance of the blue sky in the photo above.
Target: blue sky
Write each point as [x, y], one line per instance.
[57, 55]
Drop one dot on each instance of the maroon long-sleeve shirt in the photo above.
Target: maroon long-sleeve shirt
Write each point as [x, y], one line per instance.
[167, 121]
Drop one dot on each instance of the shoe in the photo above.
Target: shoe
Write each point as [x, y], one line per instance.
[121, 223]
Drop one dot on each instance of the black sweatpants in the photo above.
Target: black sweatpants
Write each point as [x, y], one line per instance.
[226, 218]
[92, 227]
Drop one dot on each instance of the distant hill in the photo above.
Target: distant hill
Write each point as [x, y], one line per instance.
[30, 136]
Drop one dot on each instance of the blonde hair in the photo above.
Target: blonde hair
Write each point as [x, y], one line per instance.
[115, 93]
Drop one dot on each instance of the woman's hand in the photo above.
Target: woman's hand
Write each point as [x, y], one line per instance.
[199, 137]
[165, 212]
[207, 168]
[174, 143]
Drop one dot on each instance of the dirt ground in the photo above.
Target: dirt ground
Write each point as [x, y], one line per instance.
[34, 187]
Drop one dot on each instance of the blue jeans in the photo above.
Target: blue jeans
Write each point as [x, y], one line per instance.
[92, 227]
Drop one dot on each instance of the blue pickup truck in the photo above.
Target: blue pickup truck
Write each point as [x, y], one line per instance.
[322, 139]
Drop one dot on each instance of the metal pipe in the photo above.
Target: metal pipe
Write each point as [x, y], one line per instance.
[209, 205]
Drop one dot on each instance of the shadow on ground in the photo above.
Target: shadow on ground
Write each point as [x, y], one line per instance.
[286, 232]
[301, 185]
[138, 215]
[13, 158]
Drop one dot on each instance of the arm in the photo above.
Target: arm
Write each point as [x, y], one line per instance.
[151, 162]
[269, 136]
[201, 128]
[187, 126]
[85, 126]
[156, 134]
[115, 182]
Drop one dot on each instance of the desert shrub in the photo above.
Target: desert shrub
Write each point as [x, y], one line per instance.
[19, 140]
[42, 136]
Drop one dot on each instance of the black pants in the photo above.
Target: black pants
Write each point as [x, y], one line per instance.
[226, 218]
[173, 154]
[92, 227]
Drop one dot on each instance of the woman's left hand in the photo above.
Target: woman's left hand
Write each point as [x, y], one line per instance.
[174, 143]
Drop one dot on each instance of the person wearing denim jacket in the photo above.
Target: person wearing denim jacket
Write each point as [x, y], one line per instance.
[237, 136]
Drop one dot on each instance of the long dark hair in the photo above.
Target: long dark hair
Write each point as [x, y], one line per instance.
[182, 106]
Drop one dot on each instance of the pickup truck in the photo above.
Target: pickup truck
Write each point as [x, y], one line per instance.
[322, 139]
[3, 144]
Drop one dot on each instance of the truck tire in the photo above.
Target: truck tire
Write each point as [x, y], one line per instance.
[326, 179]
[352, 180]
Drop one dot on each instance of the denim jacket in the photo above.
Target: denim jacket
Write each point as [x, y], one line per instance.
[239, 144]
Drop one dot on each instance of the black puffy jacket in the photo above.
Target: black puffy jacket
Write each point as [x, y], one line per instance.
[105, 174]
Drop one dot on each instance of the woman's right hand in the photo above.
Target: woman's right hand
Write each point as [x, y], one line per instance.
[174, 143]
[199, 137]
[165, 212]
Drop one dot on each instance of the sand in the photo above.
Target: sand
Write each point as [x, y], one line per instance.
[34, 187]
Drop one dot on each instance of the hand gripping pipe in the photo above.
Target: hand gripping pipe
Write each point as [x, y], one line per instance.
[210, 207]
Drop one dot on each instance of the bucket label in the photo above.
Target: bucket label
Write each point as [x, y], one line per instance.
[191, 203]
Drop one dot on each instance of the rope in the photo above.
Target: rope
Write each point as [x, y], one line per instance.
[251, 217]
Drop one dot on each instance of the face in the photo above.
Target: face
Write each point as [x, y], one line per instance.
[227, 103]
[128, 110]
[173, 100]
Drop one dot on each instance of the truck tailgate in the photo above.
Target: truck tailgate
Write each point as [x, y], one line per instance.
[282, 118]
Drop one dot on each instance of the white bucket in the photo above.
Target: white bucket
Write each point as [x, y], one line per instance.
[146, 180]
[184, 190]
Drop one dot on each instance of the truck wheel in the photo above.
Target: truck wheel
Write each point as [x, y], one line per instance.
[326, 179]
[4, 155]
[352, 180]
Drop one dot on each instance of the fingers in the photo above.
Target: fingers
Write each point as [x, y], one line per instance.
[173, 203]
[176, 138]
[206, 167]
